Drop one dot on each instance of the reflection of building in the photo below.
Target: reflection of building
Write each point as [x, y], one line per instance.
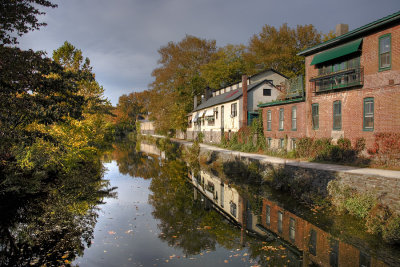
[306, 244]
[318, 246]
[151, 149]
[222, 195]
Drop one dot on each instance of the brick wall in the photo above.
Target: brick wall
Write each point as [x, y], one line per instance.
[287, 132]
[383, 86]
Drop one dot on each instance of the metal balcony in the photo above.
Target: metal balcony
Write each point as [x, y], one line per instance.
[338, 80]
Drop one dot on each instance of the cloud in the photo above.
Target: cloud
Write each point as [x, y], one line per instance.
[121, 37]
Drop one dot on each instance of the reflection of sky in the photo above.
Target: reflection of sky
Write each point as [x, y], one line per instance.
[121, 37]
[126, 232]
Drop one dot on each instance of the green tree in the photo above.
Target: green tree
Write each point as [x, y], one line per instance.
[226, 66]
[278, 48]
[177, 80]
[19, 17]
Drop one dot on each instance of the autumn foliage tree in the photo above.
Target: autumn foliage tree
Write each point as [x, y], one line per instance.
[278, 48]
[177, 80]
[226, 66]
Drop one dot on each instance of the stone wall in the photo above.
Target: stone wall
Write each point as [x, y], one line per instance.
[316, 180]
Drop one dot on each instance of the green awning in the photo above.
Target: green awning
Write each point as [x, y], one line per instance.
[336, 52]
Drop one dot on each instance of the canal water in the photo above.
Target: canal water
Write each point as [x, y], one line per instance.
[150, 209]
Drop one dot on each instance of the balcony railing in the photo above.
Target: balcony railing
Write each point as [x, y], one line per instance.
[338, 80]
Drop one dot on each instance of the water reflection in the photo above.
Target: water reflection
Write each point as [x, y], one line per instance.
[307, 237]
[53, 228]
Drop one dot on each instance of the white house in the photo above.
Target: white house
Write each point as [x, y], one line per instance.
[228, 109]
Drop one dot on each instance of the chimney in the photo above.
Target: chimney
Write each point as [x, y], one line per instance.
[207, 93]
[244, 89]
[195, 102]
[341, 29]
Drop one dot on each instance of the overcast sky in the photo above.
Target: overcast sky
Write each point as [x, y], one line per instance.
[121, 37]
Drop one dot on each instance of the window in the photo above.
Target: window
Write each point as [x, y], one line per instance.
[294, 118]
[216, 113]
[280, 221]
[368, 114]
[269, 142]
[269, 120]
[365, 260]
[282, 143]
[293, 144]
[281, 118]
[337, 115]
[292, 229]
[312, 245]
[334, 253]
[233, 209]
[315, 116]
[267, 92]
[385, 52]
[234, 110]
[268, 215]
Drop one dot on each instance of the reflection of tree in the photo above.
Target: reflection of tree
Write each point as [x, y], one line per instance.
[184, 221]
[134, 163]
[53, 228]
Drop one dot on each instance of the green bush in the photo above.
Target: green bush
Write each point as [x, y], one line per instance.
[391, 231]
[359, 205]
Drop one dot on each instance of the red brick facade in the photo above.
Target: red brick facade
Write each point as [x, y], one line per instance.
[288, 133]
[347, 255]
[381, 86]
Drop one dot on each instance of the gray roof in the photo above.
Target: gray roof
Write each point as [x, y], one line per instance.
[227, 97]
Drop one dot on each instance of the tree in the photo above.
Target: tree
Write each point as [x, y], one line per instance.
[278, 48]
[226, 66]
[126, 112]
[20, 16]
[178, 79]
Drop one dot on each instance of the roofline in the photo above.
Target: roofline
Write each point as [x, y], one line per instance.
[233, 99]
[270, 69]
[356, 33]
[258, 73]
[281, 102]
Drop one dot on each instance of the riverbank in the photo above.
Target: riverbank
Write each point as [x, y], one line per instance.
[381, 184]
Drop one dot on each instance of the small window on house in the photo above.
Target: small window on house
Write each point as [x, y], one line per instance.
[294, 118]
[292, 229]
[269, 120]
[267, 92]
[216, 113]
[233, 209]
[281, 119]
[282, 143]
[280, 221]
[315, 116]
[337, 115]
[368, 114]
[267, 215]
[293, 144]
[234, 110]
[334, 253]
[312, 245]
[269, 142]
[385, 52]
[365, 260]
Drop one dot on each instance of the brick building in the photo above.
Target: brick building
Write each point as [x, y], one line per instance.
[352, 87]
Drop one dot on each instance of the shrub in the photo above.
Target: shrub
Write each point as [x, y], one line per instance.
[377, 218]
[359, 205]
[391, 231]
[303, 147]
[386, 149]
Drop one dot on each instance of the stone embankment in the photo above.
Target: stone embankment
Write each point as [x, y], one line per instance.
[384, 184]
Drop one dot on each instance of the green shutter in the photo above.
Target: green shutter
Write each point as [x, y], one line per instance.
[337, 52]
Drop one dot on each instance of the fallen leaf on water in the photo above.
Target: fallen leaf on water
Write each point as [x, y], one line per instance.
[174, 236]
[111, 233]
[67, 261]
[65, 256]
[226, 261]
[129, 231]
[245, 254]
[166, 260]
